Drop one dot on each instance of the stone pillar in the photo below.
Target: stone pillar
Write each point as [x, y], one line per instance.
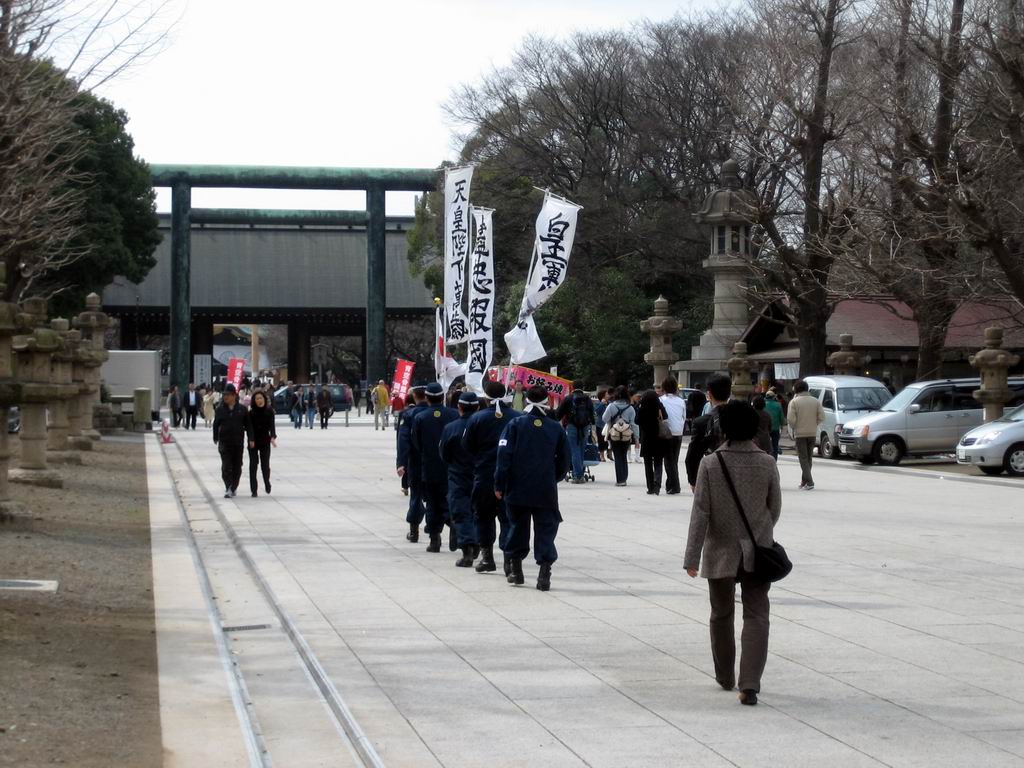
[298, 351]
[740, 367]
[33, 351]
[846, 361]
[181, 272]
[93, 324]
[10, 392]
[993, 362]
[80, 349]
[142, 401]
[376, 285]
[58, 425]
[661, 328]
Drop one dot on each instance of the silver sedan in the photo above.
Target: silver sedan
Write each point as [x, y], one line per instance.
[997, 446]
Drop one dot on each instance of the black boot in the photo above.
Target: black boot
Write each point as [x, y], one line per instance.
[544, 577]
[435, 543]
[506, 565]
[486, 564]
[452, 539]
[476, 551]
[414, 533]
[516, 576]
[466, 561]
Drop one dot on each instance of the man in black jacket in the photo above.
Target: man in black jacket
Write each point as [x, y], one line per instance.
[705, 434]
[229, 437]
[577, 413]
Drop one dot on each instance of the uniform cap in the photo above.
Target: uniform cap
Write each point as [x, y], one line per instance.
[434, 389]
[468, 398]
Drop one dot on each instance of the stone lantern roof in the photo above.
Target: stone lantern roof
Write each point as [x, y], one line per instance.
[730, 202]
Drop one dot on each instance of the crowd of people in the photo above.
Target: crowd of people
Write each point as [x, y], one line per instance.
[489, 471]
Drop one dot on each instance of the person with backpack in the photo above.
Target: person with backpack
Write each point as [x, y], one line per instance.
[577, 414]
[599, 409]
[706, 432]
[620, 429]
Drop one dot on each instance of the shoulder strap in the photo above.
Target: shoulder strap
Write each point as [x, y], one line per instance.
[735, 496]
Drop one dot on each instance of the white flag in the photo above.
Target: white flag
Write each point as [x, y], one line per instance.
[456, 250]
[481, 301]
[556, 229]
[445, 367]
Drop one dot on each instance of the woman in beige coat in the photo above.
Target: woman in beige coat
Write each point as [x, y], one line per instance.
[208, 407]
[717, 528]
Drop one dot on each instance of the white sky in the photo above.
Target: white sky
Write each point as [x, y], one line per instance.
[332, 82]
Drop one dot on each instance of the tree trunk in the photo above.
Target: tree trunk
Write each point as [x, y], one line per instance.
[811, 324]
[932, 339]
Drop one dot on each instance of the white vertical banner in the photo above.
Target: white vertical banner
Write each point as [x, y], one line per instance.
[445, 367]
[456, 250]
[555, 232]
[481, 300]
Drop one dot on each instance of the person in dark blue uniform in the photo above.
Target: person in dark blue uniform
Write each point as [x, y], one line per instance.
[407, 463]
[533, 456]
[481, 440]
[460, 480]
[427, 427]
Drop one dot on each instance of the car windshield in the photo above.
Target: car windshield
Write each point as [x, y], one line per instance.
[902, 400]
[1017, 414]
[863, 398]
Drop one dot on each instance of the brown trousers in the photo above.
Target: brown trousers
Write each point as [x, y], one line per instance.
[754, 639]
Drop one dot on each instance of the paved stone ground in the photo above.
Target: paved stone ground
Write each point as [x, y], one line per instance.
[898, 640]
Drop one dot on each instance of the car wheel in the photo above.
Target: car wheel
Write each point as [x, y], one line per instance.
[888, 451]
[826, 448]
[992, 470]
[1013, 462]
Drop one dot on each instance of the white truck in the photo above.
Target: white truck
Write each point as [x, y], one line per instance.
[127, 370]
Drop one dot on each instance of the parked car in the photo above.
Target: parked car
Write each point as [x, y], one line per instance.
[843, 398]
[996, 447]
[926, 418]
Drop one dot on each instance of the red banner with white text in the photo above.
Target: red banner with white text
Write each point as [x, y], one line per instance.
[236, 367]
[403, 378]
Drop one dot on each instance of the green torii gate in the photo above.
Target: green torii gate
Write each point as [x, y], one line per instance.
[374, 181]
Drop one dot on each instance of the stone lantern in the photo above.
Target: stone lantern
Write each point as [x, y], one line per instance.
[33, 351]
[740, 367]
[93, 324]
[10, 391]
[993, 362]
[661, 327]
[727, 211]
[846, 361]
[80, 351]
[64, 389]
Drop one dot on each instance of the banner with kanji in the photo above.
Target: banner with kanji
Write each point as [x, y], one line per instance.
[456, 251]
[403, 378]
[557, 388]
[236, 367]
[555, 232]
[481, 301]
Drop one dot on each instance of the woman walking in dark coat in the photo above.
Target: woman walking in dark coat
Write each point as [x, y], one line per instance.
[260, 431]
[728, 553]
[649, 416]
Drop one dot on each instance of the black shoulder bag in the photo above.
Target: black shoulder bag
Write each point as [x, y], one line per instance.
[770, 563]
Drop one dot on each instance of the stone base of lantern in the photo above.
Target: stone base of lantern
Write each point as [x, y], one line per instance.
[64, 457]
[82, 442]
[43, 478]
[11, 509]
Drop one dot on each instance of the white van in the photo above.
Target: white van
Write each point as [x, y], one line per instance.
[843, 398]
[926, 418]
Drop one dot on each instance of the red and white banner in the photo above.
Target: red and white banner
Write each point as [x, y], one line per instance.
[236, 367]
[403, 378]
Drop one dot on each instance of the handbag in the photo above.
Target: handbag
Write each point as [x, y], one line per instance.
[664, 431]
[770, 563]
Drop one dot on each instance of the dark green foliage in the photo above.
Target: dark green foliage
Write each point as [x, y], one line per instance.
[119, 232]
